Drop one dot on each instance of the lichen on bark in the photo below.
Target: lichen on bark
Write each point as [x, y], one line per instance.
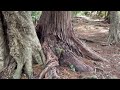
[23, 44]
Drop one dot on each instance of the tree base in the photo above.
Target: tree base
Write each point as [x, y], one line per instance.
[50, 71]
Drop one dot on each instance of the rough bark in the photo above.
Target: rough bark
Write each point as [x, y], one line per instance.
[22, 43]
[114, 31]
[3, 46]
[55, 29]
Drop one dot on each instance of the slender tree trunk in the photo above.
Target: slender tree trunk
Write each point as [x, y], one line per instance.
[19, 43]
[114, 31]
[58, 40]
[107, 16]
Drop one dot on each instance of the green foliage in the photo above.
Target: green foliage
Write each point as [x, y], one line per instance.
[59, 51]
[36, 15]
[75, 13]
[81, 13]
[100, 14]
[78, 13]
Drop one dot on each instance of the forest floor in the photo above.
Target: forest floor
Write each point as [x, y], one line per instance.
[94, 34]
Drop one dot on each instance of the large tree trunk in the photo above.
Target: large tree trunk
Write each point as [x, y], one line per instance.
[19, 44]
[3, 44]
[114, 31]
[58, 39]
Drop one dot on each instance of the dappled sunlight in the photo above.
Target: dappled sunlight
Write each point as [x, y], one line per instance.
[91, 29]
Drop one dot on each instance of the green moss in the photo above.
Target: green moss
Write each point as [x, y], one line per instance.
[36, 15]
[59, 50]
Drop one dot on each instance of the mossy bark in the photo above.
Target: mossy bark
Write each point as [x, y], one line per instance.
[22, 42]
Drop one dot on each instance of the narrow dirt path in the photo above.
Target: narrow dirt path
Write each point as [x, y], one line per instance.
[94, 33]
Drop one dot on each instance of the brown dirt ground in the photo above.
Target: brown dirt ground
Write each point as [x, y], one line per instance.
[95, 31]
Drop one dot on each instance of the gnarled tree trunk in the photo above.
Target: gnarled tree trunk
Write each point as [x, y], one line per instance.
[19, 44]
[58, 40]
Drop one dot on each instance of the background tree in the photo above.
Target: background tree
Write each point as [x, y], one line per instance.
[19, 44]
[107, 16]
[60, 43]
[114, 31]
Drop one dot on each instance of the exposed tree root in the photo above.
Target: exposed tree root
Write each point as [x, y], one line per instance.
[50, 71]
[74, 52]
[7, 72]
[52, 62]
[86, 40]
[70, 58]
[52, 74]
[56, 32]
[86, 51]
